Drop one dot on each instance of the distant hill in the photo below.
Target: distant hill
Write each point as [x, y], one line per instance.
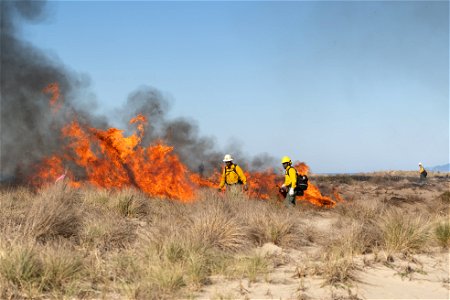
[442, 168]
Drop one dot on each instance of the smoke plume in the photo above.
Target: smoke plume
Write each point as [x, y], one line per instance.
[30, 130]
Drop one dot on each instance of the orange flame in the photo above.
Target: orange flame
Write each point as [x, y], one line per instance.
[264, 185]
[312, 194]
[107, 158]
[53, 88]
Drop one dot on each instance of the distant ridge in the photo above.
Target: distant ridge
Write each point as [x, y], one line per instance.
[442, 168]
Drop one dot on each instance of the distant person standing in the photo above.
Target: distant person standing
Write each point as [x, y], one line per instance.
[290, 181]
[232, 176]
[422, 172]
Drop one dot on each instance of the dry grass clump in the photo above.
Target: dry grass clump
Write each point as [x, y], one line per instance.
[360, 218]
[95, 197]
[404, 232]
[30, 270]
[62, 269]
[343, 244]
[279, 228]
[267, 222]
[14, 204]
[104, 231]
[250, 267]
[445, 197]
[337, 268]
[442, 234]
[147, 277]
[155, 271]
[128, 202]
[214, 228]
[53, 212]
[15, 199]
[361, 210]
[110, 218]
[20, 271]
[347, 240]
[201, 223]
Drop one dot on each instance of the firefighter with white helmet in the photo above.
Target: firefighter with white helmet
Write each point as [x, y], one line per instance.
[232, 175]
[290, 181]
[422, 172]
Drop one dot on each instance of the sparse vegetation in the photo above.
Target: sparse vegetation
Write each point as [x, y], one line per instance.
[445, 197]
[404, 232]
[442, 233]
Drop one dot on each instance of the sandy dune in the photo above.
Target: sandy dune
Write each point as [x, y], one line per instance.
[377, 275]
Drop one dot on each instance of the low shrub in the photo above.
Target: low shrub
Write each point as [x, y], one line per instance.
[442, 234]
[404, 232]
[54, 213]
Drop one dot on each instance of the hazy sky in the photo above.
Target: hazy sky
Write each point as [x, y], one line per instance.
[342, 86]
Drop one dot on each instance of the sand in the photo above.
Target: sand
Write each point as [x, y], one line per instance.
[377, 276]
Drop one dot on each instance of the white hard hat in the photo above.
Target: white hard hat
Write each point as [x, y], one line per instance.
[227, 158]
[420, 164]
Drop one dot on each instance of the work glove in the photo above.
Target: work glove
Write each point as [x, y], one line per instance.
[291, 192]
[245, 187]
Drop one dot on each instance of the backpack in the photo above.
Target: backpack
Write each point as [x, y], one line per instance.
[302, 184]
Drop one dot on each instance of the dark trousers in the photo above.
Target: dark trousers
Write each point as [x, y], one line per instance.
[423, 176]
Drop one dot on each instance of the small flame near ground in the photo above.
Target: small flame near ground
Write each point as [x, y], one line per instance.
[108, 159]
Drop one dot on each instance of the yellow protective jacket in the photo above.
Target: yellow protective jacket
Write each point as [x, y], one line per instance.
[232, 175]
[421, 169]
[290, 177]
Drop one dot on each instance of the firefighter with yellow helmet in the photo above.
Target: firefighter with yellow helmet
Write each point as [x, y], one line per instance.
[232, 176]
[290, 181]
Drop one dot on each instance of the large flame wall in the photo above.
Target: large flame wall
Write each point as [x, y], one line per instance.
[108, 159]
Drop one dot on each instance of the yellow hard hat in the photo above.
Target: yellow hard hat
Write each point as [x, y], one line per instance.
[285, 159]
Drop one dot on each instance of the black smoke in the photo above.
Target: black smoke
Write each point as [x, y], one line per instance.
[199, 153]
[30, 131]
[26, 125]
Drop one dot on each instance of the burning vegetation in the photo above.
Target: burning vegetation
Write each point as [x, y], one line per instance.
[50, 133]
[109, 159]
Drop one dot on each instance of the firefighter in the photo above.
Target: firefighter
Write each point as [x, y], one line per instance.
[422, 172]
[232, 176]
[290, 181]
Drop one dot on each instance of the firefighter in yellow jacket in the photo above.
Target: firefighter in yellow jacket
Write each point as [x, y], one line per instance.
[422, 173]
[232, 175]
[290, 181]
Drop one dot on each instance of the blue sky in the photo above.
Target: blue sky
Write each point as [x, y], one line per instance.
[342, 86]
